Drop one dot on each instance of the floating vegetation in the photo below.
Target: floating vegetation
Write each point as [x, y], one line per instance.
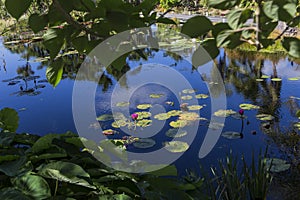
[202, 96]
[143, 115]
[176, 133]
[122, 104]
[144, 143]
[109, 132]
[277, 165]
[176, 146]
[215, 125]
[238, 116]
[297, 125]
[156, 96]
[119, 123]
[173, 113]
[259, 80]
[224, 113]
[276, 79]
[264, 117]
[231, 135]
[188, 91]
[189, 116]
[294, 79]
[178, 123]
[118, 116]
[105, 117]
[144, 123]
[195, 107]
[144, 106]
[265, 76]
[248, 106]
[162, 116]
[186, 97]
[170, 103]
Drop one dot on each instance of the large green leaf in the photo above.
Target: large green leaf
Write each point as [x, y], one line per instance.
[237, 17]
[53, 41]
[280, 10]
[66, 172]
[6, 139]
[17, 7]
[292, 45]
[44, 143]
[12, 193]
[13, 162]
[229, 39]
[37, 22]
[9, 119]
[205, 53]
[33, 186]
[222, 4]
[219, 27]
[197, 26]
[54, 72]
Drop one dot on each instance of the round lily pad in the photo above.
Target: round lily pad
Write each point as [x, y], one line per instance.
[105, 117]
[178, 123]
[119, 123]
[176, 146]
[224, 113]
[231, 135]
[201, 96]
[215, 125]
[186, 97]
[176, 133]
[195, 107]
[144, 123]
[264, 117]
[188, 91]
[122, 104]
[248, 106]
[144, 143]
[144, 106]
[143, 115]
[109, 132]
[162, 116]
[174, 113]
[276, 79]
[155, 96]
[277, 165]
[189, 116]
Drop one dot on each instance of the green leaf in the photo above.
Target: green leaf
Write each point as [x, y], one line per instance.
[197, 26]
[237, 17]
[13, 162]
[205, 53]
[54, 72]
[280, 10]
[32, 185]
[53, 41]
[229, 39]
[17, 7]
[113, 197]
[9, 119]
[222, 4]
[219, 27]
[166, 21]
[44, 143]
[66, 172]
[12, 193]
[37, 22]
[292, 46]
[6, 139]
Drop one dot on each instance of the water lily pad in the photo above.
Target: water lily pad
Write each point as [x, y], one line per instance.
[173, 113]
[259, 80]
[188, 91]
[264, 117]
[162, 116]
[297, 125]
[178, 123]
[143, 115]
[144, 143]
[195, 107]
[156, 96]
[276, 79]
[215, 125]
[224, 113]
[144, 123]
[231, 135]
[176, 133]
[294, 79]
[265, 76]
[109, 132]
[122, 104]
[202, 96]
[248, 106]
[119, 123]
[176, 146]
[170, 103]
[144, 106]
[189, 116]
[277, 165]
[186, 97]
[105, 117]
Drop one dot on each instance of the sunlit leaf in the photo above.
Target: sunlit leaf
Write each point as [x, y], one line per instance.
[144, 106]
[202, 96]
[174, 113]
[188, 91]
[186, 97]
[189, 116]
[248, 106]
[144, 123]
[119, 123]
[178, 123]
[276, 79]
[264, 117]
[176, 146]
[195, 107]
[109, 132]
[54, 72]
[143, 115]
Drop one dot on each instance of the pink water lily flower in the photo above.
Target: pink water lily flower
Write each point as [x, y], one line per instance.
[241, 111]
[134, 116]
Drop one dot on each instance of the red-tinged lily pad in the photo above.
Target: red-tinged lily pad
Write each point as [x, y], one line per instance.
[176, 146]
[109, 132]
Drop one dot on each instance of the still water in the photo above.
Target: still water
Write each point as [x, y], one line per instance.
[43, 109]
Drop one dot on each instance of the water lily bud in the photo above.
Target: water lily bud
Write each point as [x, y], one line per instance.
[134, 116]
[241, 111]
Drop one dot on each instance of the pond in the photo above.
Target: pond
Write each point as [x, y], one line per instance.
[167, 93]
